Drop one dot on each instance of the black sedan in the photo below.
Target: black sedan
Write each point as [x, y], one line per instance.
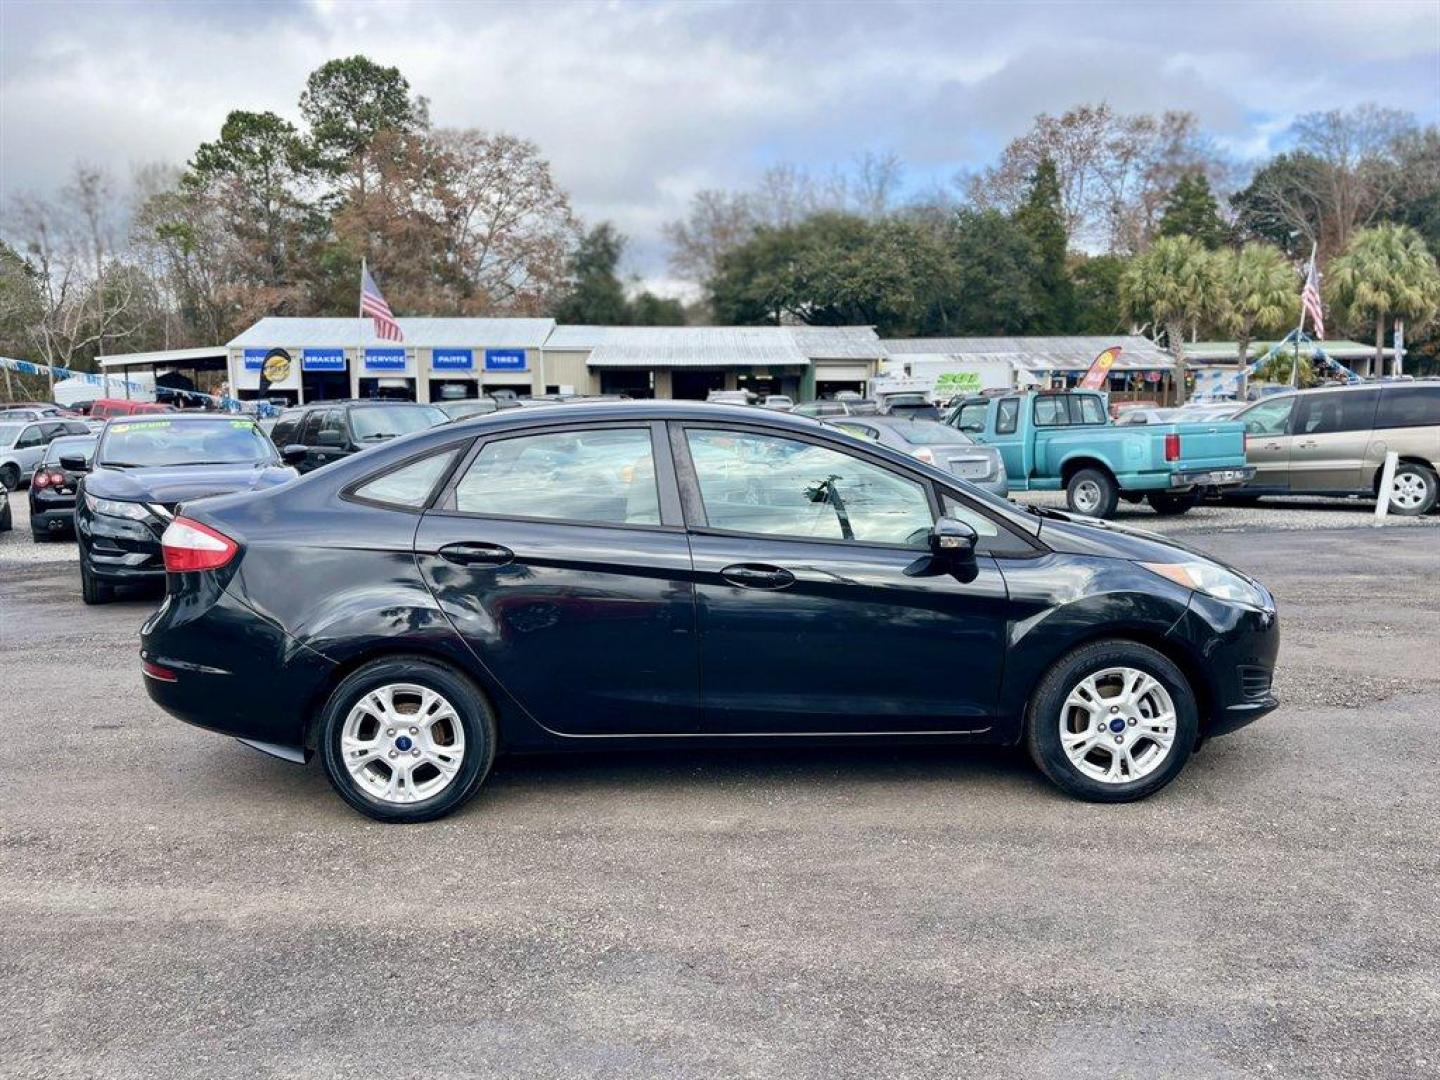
[143, 468]
[663, 573]
[53, 485]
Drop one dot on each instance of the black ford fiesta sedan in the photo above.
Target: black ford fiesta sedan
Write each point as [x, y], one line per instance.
[657, 573]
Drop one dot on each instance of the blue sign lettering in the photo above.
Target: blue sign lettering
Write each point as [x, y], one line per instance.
[255, 359]
[384, 359]
[504, 359]
[322, 360]
[452, 359]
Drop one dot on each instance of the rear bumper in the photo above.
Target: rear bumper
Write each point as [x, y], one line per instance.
[57, 520]
[231, 670]
[1228, 477]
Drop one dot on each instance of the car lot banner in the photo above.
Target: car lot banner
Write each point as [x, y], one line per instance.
[228, 404]
[1095, 378]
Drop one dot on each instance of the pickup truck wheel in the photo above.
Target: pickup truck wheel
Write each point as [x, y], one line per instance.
[1092, 493]
[1412, 493]
[1169, 505]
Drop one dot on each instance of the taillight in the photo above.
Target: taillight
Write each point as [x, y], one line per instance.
[187, 546]
[41, 480]
[1172, 446]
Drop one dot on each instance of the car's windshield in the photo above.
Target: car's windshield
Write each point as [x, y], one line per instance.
[930, 433]
[9, 433]
[372, 423]
[73, 446]
[907, 401]
[778, 399]
[155, 442]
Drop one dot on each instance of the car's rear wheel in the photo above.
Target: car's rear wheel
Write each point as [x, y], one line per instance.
[1113, 721]
[1093, 493]
[1413, 490]
[406, 739]
[9, 477]
[92, 589]
[1168, 504]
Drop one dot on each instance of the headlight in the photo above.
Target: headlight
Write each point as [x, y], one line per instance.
[1211, 580]
[116, 508]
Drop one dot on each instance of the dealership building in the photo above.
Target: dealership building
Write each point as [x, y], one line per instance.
[324, 359]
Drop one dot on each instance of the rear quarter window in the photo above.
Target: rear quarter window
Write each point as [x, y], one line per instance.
[1408, 406]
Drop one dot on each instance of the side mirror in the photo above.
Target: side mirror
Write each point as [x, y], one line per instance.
[293, 454]
[952, 543]
[328, 438]
[73, 462]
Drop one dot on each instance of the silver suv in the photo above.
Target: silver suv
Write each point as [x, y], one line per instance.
[23, 443]
[1333, 441]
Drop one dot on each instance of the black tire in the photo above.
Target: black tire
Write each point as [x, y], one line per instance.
[1106, 493]
[7, 519]
[1423, 476]
[1169, 505]
[1042, 720]
[92, 590]
[477, 721]
[10, 478]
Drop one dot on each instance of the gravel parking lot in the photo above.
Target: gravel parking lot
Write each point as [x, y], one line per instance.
[176, 904]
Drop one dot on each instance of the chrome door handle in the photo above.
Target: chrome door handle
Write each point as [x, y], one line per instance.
[757, 576]
[470, 554]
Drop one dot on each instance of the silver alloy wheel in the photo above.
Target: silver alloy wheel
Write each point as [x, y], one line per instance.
[1408, 491]
[402, 743]
[1087, 496]
[1117, 725]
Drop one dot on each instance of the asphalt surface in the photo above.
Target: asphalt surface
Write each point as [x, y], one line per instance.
[174, 904]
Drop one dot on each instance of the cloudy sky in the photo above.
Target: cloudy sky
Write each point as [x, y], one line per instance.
[638, 105]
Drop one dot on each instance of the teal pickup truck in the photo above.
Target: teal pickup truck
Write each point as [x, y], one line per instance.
[1053, 440]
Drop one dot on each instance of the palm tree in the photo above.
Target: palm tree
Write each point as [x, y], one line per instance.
[1385, 273]
[1172, 285]
[1257, 292]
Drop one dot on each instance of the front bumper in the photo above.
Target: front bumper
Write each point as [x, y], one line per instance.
[1236, 648]
[120, 549]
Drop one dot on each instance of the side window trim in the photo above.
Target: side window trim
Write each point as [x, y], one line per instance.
[696, 520]
[444, 502]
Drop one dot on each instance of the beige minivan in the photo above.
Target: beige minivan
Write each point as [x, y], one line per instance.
[1333, 441]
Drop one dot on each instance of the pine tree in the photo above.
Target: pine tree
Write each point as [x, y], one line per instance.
[1041, 218]
[1191, 210]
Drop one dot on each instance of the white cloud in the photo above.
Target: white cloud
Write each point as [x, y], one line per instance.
[639, 105]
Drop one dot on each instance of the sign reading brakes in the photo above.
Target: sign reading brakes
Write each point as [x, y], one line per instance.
[322, 360]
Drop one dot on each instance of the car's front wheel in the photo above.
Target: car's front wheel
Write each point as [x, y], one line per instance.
[1113, 721]
[406, 739]
[92, 589]
[9, 477]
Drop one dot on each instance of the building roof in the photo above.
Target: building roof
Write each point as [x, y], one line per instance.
[181, 357]
[716, 346]
[1039, 353]
[421, 333]
[1210, 352]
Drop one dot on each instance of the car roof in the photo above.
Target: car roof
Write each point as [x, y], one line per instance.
[178, 417]
[640, 410]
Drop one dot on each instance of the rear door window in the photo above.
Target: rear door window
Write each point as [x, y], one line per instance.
[1408, 406]
[1332, 413]
[600, 475]
[408, 487]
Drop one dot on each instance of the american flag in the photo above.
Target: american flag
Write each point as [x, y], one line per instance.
[374, 305]
[1310, 300]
